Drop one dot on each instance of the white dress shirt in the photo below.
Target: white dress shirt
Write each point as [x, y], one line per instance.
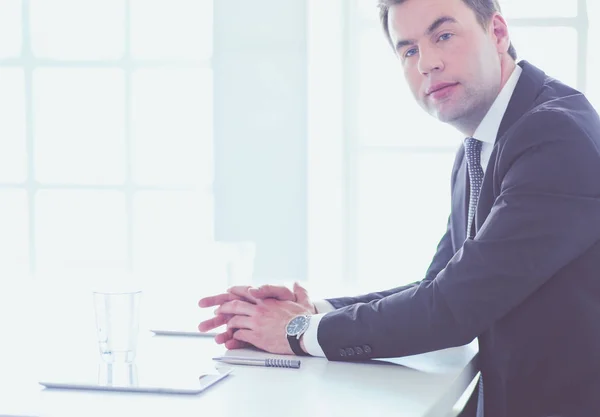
[486, 132]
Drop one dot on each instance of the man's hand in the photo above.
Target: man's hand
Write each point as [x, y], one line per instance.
[279, 292]
[251, 295]
[262, 324]
[233, 293]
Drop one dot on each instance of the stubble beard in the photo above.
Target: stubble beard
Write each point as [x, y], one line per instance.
[465, 113]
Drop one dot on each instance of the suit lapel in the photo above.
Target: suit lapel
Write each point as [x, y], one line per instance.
[526, 91]
[528, 88]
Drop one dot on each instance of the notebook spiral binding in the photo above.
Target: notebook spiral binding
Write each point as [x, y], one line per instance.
[279, 363]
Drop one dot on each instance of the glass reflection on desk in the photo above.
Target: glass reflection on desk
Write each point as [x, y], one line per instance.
[118, 374]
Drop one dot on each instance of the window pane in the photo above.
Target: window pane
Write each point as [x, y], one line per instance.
[172, 126]
[176, 29]
[10, 28]
[13, 156]
[387, 112]
[554, 50]
[400, 220]
[14, 238]
[81, 230]
[170, 228]
[538, 8]
[78, 29]
[79, 125]
[368, 10]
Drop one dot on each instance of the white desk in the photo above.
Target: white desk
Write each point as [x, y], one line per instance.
[319, 388]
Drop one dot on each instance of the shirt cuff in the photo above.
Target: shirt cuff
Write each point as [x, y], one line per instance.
[323, 306]
[311, 343]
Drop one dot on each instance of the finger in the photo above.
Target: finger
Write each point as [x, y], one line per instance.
[237, 307]
[239, 322]
[242, 292]
[213, 323]
[301, 294]
[247, 336]
[215, 300]
[225, 336]
[300, 291]
[235, 344]
[273, 291]
[230, 342]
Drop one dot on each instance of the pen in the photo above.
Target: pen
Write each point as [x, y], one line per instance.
[268, 362]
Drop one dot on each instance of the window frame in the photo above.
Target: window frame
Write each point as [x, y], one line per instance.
[28, 62]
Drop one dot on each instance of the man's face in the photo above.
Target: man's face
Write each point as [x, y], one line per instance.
[452, 65]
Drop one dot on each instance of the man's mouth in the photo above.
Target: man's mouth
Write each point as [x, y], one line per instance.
[440, 91]
[438, 87]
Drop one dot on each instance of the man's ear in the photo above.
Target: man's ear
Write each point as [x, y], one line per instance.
[500, 32]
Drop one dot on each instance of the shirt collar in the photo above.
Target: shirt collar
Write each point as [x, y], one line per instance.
[489, 126]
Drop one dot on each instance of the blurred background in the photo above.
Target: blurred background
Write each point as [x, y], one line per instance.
[146, 136]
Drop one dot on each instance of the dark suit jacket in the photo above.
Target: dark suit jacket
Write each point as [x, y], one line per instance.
[527, 286]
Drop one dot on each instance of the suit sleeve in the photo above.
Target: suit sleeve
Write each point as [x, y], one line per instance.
[545, 215]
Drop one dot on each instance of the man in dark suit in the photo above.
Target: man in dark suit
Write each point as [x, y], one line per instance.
[519, 265]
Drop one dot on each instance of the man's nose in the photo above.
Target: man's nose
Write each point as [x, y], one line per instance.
[429, 60]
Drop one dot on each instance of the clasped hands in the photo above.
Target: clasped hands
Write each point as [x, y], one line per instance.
[256, 316]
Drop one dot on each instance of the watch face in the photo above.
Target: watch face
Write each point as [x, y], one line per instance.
[296, 325]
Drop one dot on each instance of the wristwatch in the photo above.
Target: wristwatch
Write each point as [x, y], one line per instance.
[294, 330]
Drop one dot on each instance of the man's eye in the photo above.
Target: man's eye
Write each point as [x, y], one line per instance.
[445, 36]
[410, 52]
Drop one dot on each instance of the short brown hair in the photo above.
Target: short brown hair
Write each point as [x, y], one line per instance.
[484, 10]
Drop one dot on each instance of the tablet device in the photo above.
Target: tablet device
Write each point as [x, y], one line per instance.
[150, 386]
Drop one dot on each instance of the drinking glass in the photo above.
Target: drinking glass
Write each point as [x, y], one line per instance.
[117, 324]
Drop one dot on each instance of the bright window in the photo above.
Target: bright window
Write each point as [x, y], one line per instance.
[106, 126]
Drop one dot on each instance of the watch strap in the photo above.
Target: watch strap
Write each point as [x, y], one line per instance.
[295, 345]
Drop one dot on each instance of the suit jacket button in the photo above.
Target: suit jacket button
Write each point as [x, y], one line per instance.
[342, 352]
[358, 350]
[367, 348]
